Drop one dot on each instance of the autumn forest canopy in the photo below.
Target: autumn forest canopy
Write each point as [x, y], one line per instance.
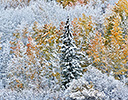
[63, 50]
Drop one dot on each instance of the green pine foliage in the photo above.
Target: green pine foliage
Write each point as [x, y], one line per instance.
[70, 65]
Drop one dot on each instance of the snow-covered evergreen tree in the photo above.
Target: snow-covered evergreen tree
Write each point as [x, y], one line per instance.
[70, 59]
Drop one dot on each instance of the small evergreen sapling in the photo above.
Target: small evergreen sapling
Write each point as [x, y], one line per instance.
[70, 58]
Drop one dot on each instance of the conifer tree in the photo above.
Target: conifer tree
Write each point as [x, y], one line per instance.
[70, 58]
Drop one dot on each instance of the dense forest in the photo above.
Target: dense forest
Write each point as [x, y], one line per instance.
[63, 50]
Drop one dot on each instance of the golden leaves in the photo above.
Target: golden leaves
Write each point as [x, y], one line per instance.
[108, 51]
[17, 81]
[113, 54]
[72, 2]
[81, 29]
[116, 39]
[122, 5]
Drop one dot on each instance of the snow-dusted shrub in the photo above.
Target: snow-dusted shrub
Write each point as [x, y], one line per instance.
[113, 89]
[94, 85]
[83, 90]
[30, 94]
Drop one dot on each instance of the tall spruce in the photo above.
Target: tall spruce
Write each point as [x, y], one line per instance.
[70, 58]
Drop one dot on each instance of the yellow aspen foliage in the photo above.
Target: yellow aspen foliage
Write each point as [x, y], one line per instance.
[72, 2]
[17, 81]
[117, 20]
[122, 6]
[120, 34]
[109, 51]
[81, 29]
[42, 44]
[111, 57]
